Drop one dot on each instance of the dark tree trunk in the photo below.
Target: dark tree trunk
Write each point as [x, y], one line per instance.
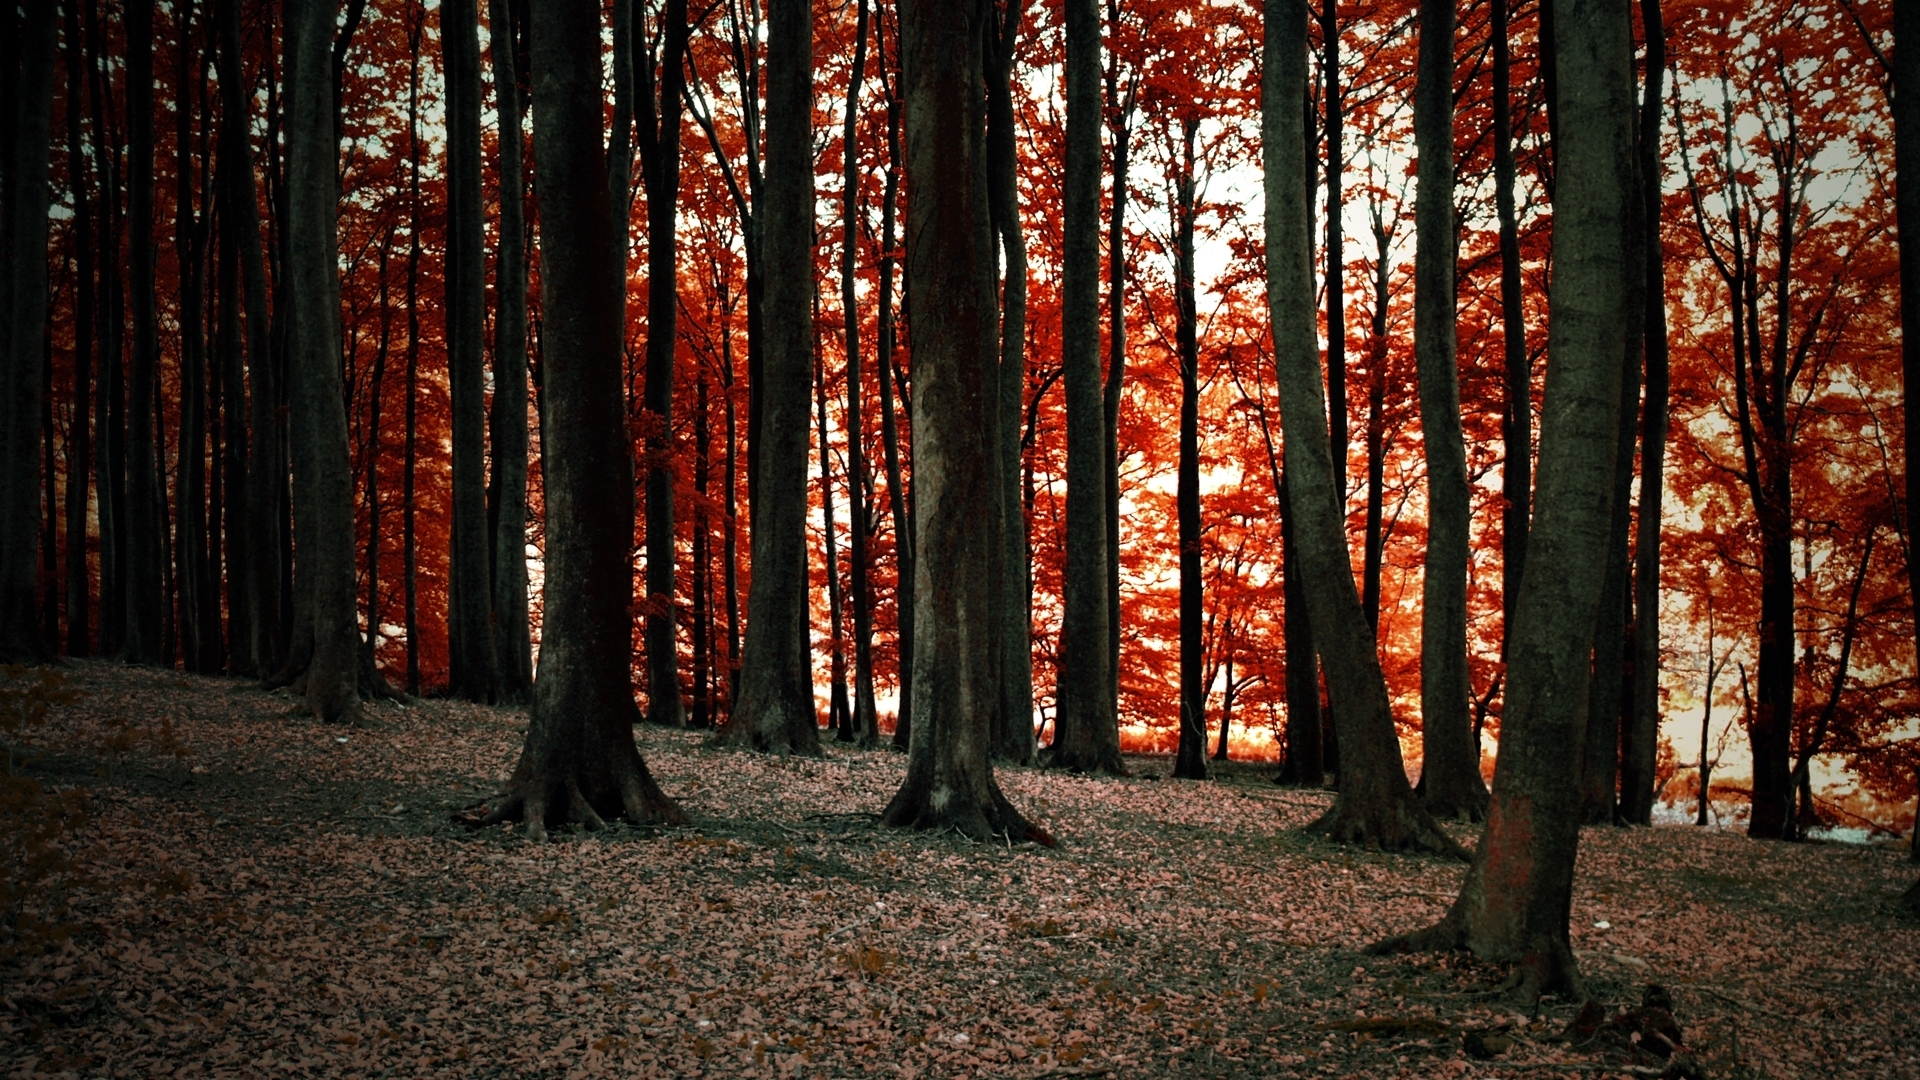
[889, 417]
[80, 438]
[866, 722]
[470, 654]
[1306, 756]
[376, 387]
[949, 782]
[231, 524]
[1086, 731]
[1906, 165]
[1375, 805]
[1513, 907]
[1376, 424]
[1013, 738]
[409, 535]
[110, 410]
[775, 710]
[144, 572]
[512, 643]
[1336, 251]
[661, 96]
[1191, 762]
[701, 713]
[1450, 777]
[1120, 129]
[839, 710]
[579, 762]
[323, 484]
[1641, 741]
[190, 460]
[1516, 409]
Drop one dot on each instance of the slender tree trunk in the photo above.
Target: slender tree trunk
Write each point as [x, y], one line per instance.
[190, 459]
[1013, 738]
[80, 437]
[376, 386]
[1516, 415]
[1906, 157]
[409, 535]
[1375, 805]
[701, 714]
[238, 556]
[110, 410]
[660, 161]
[839, 710]
[1086, 731]
[49, 510]
[1306, 757]
[949, 782]
[579, 762]
[1641, 742]
[1120, 130]
[145, 611]
[1450, 777]
[1336, 253]
[731, 552]
[1191, 762]
[889, 417]
[323, 486]
[1376, 425]
[1513, 907]
[866, 721]
[513, 645]
[470, 644]
[775, 711]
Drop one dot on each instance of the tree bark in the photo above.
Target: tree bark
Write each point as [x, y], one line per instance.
[1450, 776]
[1513, 907]
[110, 410]
[1641, 742]
[1516, 411]
[866, 721]
[1086, 731]
[775, 712]
[1191, 761]
[409, 539]
[1906, 165]
[839, 709]
[1376, 423]
[323, 484]
[1013, 738]
[513, 646]
[190, 459]
[1336, 253]
[1306, 758]
[579, 763]
[1120, 129]
[889, 418]
[145, 599]
[470, 652]
[1375, 805]
[80, 438]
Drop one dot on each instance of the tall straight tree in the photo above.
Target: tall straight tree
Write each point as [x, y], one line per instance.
[144, 604]
[110, 412]
[1375, 806]
[1336, 279]
[1513, 907]
[887, 326]
[409, 533]
[956, 685]
[661, 92]
[1086, 729]
[775, 710]
[1450, 777]
[470, 658]
[1516, 407]
[25, 297]
[323, 481]
[1906, 167]
[1120, 111]
[866, 722]
[1013, 738]
[80, 438]
[1640, 743]
[507, 489]
[190, 460]
[1191, 761]
[579, 763]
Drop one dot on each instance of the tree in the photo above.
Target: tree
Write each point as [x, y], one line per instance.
[866, 723]
[507, 491]
[23, 289]
[1375, 804]
[144, 603]
[1191, 761]
[579, 763]
[1513, 907]
[1450, 776]
[775, 711]
[957, 603]
[323, 483]
[1086, 729]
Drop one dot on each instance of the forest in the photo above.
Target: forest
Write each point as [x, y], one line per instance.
[1134, 496]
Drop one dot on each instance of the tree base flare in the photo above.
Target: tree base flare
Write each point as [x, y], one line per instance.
[1387, 825]
[925, 806]
[1546, 966]
[553, 794]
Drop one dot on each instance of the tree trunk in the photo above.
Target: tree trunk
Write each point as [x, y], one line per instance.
[865, 719]
[1375, 805]
[470, 655]
[409, 538]
[775, 710]
[1191, 762]
[1513, 907]
[1906, 159]
[1450, 776]
[376, 387]
[660, 164]
[701, 713]
[144, 573]
[1336, 254]
[1013, 738]
[1306, 758]
[1120, 128]
[323, 485]
[110, 410]
[1086, 733]
[190, 459]
[1516, 412]
[512, 643]
[579, 762]
[839, 710]
[949, 782]
[80, 438]
[1376, 423]
[889, 418]
[1641, 744]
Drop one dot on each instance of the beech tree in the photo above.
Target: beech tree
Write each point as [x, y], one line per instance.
[957, 602]
[775, 710]
[579, 763]
[1375, 805]
[507, 427]
[1513, 907]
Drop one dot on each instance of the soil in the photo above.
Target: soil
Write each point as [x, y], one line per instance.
[251, 892]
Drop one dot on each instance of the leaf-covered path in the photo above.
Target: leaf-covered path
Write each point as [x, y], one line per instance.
[253, 893]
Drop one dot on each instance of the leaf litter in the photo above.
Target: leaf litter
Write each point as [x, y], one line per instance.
[247, 894]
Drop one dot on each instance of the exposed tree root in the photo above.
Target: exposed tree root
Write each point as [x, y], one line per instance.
[1545, 966]
[551, 796]
[1391, 824]
[923, 804]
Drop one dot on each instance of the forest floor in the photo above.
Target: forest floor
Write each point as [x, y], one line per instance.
[202, 881]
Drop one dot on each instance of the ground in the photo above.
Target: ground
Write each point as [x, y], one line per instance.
[249, 892]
